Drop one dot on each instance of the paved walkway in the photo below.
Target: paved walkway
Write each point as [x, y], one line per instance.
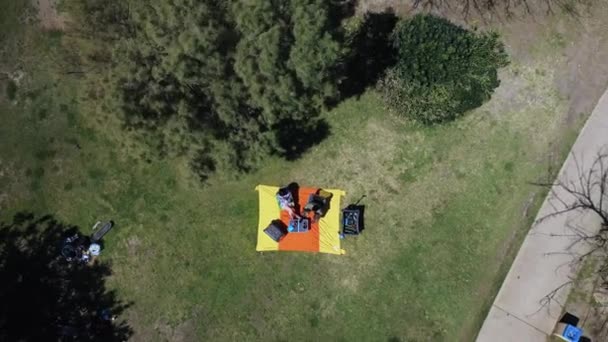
[517, 314]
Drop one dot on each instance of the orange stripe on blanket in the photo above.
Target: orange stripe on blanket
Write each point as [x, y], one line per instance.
[306, 242]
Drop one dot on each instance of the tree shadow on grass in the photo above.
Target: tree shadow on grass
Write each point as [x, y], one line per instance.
[45, 298]
[340, 10]
[371, 53]
[295, 137]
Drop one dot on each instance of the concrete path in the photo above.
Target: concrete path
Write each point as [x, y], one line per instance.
[541, 265]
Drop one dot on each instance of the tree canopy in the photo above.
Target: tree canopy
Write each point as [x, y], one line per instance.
[218, 81]
[286, 56]
[228, 83]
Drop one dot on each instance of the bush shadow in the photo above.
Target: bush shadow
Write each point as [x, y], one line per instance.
[371, 53]
[46, 298]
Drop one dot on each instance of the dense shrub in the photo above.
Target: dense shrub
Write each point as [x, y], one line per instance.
[442, 70]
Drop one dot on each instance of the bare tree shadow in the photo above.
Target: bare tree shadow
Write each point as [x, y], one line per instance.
[46, 298]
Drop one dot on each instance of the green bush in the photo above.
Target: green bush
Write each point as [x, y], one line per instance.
[442, 70]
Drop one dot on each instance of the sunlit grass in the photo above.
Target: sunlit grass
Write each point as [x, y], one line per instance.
[445, 205]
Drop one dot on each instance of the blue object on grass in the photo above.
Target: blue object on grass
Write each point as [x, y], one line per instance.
[572, 333]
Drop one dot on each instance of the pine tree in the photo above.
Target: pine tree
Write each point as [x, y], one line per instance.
[216, 80]
[286, 56]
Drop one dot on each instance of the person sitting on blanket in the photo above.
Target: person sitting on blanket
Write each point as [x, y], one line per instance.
[318, 204]
[286, 201]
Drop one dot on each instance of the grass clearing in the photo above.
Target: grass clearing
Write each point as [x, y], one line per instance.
[445, 207]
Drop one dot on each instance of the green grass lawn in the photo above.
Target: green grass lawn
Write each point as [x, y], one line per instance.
[445, 210]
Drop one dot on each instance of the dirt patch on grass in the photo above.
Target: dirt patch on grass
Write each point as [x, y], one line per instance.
[474, 12]
[133, 244]
[50, 18]
[585, 77]
[532, 27]
[185, 331]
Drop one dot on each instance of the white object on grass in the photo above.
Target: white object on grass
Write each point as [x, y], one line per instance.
[94, 249]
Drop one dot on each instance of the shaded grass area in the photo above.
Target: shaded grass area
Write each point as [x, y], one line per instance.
[443, 206]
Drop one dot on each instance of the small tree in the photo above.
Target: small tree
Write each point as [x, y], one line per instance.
[586, 192]
[441, 70]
